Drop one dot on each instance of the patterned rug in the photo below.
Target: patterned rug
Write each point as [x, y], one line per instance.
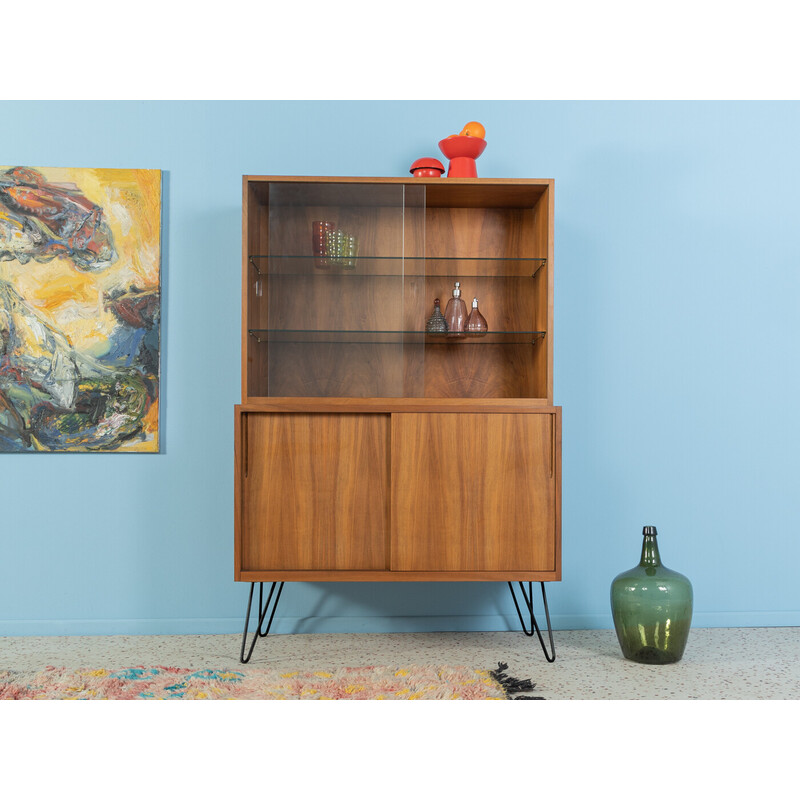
[350, 683]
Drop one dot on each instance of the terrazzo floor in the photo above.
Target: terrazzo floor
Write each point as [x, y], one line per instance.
[718, 664]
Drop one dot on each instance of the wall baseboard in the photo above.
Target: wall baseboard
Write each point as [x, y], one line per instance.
[368, 624]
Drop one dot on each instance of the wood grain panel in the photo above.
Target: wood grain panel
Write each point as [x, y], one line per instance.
[475, 370]
[336, 302]
[474, 492]
[315, 492]
[336, 370]
[479, 233]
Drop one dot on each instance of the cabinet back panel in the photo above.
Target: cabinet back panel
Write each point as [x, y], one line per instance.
[479, 370]
[336, 303]
[337, 370]
[480, 233]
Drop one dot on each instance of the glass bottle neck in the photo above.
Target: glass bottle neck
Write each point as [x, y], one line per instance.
[650, 556]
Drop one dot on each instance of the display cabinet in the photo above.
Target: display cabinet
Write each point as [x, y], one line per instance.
[365, 448]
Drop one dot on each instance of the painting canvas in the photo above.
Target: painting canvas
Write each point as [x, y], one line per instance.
[80, 286]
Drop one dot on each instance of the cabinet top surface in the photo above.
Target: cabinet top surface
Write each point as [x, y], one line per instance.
[395, 179]
[502, 192]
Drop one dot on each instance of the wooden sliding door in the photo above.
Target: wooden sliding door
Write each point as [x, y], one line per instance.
[474, 492]
[315, 491]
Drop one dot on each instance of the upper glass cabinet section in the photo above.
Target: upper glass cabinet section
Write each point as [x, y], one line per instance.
[341, 278]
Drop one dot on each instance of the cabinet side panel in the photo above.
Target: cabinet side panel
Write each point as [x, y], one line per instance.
[473, 492]
[543, 248]
[315, 492]
[238, 461]
[557, 462]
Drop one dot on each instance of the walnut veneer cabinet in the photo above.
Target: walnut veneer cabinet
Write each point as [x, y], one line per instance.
[365, 449]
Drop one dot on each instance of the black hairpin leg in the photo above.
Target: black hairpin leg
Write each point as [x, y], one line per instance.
[262, 613]
[534, 626]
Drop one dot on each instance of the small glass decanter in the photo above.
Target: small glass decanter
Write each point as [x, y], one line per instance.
[476, 324]
[652, 608]
[455, 315]
[436, 323]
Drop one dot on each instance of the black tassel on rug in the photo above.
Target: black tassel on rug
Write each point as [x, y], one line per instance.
[513, 685]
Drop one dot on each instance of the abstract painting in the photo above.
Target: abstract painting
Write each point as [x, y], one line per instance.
[80, 303]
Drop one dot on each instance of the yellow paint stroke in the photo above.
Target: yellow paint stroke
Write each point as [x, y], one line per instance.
[63, 288]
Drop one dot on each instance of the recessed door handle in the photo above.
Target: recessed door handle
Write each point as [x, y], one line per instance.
[245, 447]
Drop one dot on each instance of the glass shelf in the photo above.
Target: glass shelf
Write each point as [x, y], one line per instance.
[394, 337]
[400, 266]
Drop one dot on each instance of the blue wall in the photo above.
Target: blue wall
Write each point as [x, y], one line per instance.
[676, 338]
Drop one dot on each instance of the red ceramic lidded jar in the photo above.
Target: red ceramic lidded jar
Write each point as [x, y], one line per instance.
[427, 168]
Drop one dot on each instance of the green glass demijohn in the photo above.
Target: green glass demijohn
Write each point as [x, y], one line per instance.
[652, 608]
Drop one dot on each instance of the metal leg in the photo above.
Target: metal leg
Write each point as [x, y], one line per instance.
[534, 628]
[262, 613]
